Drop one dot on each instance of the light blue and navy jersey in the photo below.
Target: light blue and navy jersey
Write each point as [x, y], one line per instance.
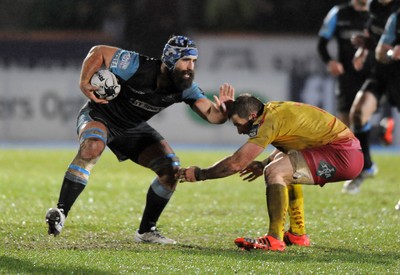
[328, 27]
[379, 15]
[341, 23]
[140, 98]
[390, 35]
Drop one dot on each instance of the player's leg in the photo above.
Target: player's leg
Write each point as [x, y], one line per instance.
[349, 84]
[278, 174]
[365, 104]
[93, 139]
[297, 230]
[162, 160]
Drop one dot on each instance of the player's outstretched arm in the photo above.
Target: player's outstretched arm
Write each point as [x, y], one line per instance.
[97, 58]
[216, 112]
[225, 167]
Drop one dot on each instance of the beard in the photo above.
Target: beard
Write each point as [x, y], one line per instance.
[180, 81]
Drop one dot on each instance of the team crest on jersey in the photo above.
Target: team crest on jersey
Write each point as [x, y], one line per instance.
[325, 170]
[254, 130]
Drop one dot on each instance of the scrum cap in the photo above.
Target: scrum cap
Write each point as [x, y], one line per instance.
[176, 48]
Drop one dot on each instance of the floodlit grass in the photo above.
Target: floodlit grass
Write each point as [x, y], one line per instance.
[350, 234]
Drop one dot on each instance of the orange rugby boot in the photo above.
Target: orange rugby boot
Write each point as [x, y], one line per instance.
[290, 238]
[265, 243]
[387, 130]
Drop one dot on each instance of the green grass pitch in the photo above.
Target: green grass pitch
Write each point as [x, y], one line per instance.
[350, 234]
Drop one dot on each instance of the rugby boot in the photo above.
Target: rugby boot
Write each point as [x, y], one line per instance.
[353, 186]
[153, 236]
[386, 128]
[265, 242]
[55, 219]
[300, 240]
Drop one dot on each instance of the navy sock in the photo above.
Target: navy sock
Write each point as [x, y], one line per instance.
[70, 191]
[364, 138]
[152, 211]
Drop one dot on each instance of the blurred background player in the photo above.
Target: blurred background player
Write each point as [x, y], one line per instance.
[312, 147]
[147, 87]
[371, 92]
[388, 52]
[341, 23]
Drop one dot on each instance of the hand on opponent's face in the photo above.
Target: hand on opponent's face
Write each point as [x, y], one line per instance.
[226, 97]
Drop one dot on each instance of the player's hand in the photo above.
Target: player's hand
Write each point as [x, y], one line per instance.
[226, 97]
[252, 171]
[396, 53]
[358, 63]
[359, 58]
[188, 174]
[88, 91]
[335, 68]
[358, 40]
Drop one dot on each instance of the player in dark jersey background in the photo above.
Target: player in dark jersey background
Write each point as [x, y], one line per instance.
[147, 87]
[388, 52]
[341, 23]
[366, 101]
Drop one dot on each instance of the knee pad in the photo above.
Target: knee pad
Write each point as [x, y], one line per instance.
[168, 161]
[93, 133]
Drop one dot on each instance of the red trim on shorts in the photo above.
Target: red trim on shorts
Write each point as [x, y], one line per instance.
[337, 161]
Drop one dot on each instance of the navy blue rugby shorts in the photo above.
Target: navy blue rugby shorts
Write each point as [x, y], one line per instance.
[124, 143]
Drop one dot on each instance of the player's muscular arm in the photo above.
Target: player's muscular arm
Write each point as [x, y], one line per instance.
[97, 57]
[227, 166]
[334, 67]
[216, 112]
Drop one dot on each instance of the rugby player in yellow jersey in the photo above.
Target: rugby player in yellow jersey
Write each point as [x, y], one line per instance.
[312, 147]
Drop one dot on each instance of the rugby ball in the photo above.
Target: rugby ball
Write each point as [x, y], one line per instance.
[108, 84]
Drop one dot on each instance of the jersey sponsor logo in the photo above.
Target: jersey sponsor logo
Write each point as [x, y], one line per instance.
[325, 170]
[124, 60]
[146, 106]
[349, 34]
[136, 91]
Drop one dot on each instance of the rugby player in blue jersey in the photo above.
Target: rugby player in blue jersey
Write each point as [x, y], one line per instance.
[374, 87]
[388, 52]
[148, 86]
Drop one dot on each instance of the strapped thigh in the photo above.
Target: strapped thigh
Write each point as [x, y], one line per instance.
[302, 173]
